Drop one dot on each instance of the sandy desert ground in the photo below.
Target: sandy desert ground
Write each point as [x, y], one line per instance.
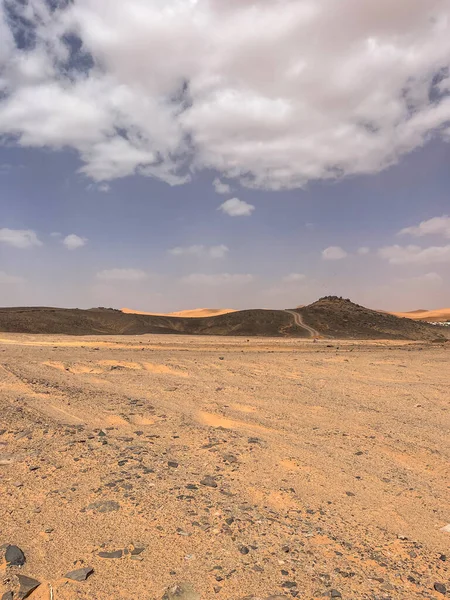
[248, 468]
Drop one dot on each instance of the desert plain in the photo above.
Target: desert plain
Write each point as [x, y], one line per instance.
[245, 467]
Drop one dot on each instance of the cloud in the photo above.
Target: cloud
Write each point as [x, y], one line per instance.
[427, 278]
[334, 253]
[167, 88]
[6, 279]
[72, 241]
[220, 187]
[236, 208]
[200, 251]
[415, 255]
[434, 226]
[19, 238]
[217, 279]
[363, 250]
[122, 275]
[104, 187]
[294, 278]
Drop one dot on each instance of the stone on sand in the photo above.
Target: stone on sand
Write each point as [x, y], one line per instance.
[27, 585]
[181, 591]
[14, 556]
[79, 574]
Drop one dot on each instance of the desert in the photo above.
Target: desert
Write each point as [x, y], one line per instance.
[230, 467]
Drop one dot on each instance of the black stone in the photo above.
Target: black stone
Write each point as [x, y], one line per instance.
[172, 464]
[27, 585]
[335, 594]
[244, 550]
[14, 556]
[7, 596]
[440, 587]
[114, 554]
[80, 574]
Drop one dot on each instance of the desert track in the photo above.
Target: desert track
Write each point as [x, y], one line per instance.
[299, 322]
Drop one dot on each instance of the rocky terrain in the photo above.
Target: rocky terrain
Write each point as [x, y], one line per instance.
[174, 467]
[331, 317]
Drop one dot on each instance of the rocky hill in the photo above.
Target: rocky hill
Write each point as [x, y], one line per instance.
[331, 317]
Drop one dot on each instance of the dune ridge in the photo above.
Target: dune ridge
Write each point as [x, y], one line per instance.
[188, 314]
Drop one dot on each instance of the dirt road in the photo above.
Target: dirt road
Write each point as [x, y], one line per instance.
[299, 322]
[247, 468]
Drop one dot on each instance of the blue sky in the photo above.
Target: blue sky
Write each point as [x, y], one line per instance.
[120, 185]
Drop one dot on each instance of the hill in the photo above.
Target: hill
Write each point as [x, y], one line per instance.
[329, 317]
[341, 318]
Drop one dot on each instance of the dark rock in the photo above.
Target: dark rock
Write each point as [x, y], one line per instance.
[7, 596]
[104, 506]
[181, 591]
[191, 486]
[79, 574]
[172, 464]
[244, 550]
[209, 481]
[26, 586]
[289, 584]
[14, 556]
[335, 594]
[440, 587]
[114, 554]
[137, 550]
[442, 557]
[350, 494]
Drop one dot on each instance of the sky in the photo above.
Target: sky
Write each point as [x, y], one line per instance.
[173, 154]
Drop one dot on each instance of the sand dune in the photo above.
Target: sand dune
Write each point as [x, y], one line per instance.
[195, 312]
[440, 314]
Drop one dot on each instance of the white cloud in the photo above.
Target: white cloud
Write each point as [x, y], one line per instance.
[6, 279]
[122, 275]
[220, 187]
[178, 86]
[294, 278]
[19, 238]
[427, 278]
[199, 251]
[434, 226]
[334, 253]
[73, 241]
[104, 187]
[363, 250]
[414, 255]
[236, 208]
[217, 279]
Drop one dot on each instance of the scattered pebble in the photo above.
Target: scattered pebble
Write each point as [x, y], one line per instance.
[113, 554]
[181, 591]
[14, 556]
[79, 574]
[27, 585]
[440, 587]
[104, 506]
[209, 481]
